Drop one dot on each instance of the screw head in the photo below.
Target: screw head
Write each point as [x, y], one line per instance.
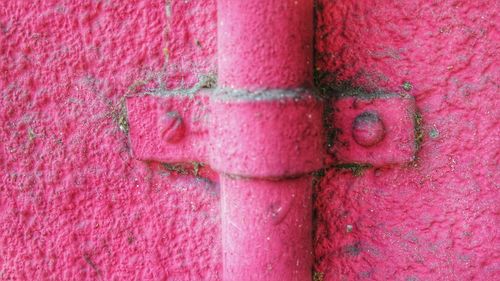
[171, 127]
[368, 129]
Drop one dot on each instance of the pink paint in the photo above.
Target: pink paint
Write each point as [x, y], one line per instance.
[256, 139]
[266, 228]
[437, 217]
[265, 44]
[75, 204]
[368, 129]
[396, 141]
[273, 212]
[272, 134]
[266, 224]
[231, 132]
[146, 117]
[255, 151]
[256, 143]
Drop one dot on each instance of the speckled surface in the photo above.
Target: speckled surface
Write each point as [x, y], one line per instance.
[74, 205]
[436, 219]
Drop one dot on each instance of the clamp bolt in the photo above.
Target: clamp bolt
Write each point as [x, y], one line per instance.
[368, 129]
[171, 127]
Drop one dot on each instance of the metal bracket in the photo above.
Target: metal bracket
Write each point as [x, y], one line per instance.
[170, 128]
[234, 133]
[374, 129]
[267, 134]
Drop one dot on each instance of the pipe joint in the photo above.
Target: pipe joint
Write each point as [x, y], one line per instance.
[266, 134]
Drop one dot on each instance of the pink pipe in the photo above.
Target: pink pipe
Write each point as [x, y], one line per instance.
[265, 44]
[266, 223]
[266, 229]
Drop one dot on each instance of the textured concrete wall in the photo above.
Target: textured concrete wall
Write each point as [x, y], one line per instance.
[436, 219]
[74, 205]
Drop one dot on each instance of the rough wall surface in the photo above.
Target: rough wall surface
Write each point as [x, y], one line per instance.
[74, 205]
[436, 219]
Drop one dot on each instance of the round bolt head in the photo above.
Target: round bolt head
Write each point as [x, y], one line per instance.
[171, 127]
[368, 129]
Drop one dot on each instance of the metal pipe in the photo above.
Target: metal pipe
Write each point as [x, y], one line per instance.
[265, 44]
[266, 152]
[266, 228]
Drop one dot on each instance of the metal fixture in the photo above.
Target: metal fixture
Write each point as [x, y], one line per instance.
[262, 131]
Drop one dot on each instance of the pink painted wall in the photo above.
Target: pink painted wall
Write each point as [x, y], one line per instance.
[437, 218]
[75, 205]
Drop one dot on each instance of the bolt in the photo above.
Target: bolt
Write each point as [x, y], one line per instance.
[171, 127]
[368, 129]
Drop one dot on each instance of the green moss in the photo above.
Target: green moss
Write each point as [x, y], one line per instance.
[328, 85]
[318, 276]
[196, 168]
[31, 134]
[434, 133]
[356, 169]
[419, 134]
[177, 168]
[184, 169]
[119, 115]
[407, 86]
[123, 122]
[207, 81]
[317, 176]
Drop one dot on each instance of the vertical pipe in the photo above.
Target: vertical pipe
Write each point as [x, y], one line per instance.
[266, 228]
[265, 44]
[266, 223]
